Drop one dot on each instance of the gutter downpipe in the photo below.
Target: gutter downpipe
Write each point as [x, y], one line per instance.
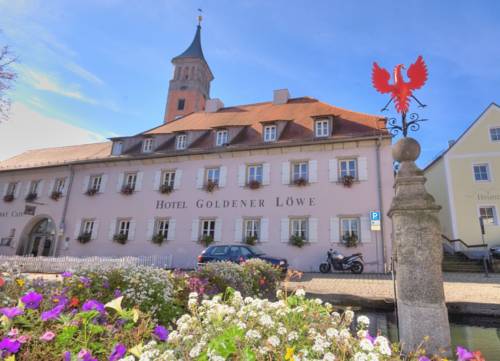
[62, 224]
[380, 202]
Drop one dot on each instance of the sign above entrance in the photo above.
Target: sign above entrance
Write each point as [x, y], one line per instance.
[29, 210]
[375, 221]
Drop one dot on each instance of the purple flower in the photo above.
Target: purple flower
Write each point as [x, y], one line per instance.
[117, 293]
[9, 345]
[67, 274]
[463, 354]
[85, 355]
[93, 305]
[161, 333]
[48, 336]
[370, 337]
[118, 352]
[85, 281]
[60, 300]
[53, 313]
[105, 284]
[67, 356]
[424, 358]
[11, 312]
[32, 300]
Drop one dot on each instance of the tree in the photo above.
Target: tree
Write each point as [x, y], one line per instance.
[7, 77]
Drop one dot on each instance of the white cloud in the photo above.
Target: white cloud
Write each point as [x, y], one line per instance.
[83, 73]
[26, 129]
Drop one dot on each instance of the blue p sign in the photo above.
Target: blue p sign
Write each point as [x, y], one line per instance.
[375, 216]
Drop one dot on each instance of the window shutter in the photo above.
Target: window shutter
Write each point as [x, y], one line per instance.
[200, 175]
[78, 227]
[40, 188]
[104, 180]
[266, 174]
[18, 189]
[242, 175]
[119, 184]
[366, 233]
[195, 228]
[157, 180]
[138, 183]
[51, 187]
[150, 230]
[65, 186]
[222, 176]
[313, 171]
[264, 230]
[112, 229]
[238, 229]
[5, 187]
[285, 230]
[177, 178]
[218, 230]
[85, 184]
[313, 230]
[285, 173]
[362, 169]
[95, 230]
[131, 231]
[28, 186]
[171, 230]
[333, 172]
[334, 229]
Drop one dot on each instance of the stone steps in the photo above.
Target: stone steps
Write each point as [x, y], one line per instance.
[459, 263]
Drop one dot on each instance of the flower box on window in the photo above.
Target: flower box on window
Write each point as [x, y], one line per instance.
[350, 240]
[210, 186]
[347, 180]
[166, 189]
[31, 197]
[251, 240]
[158, 238]
[55, 195]
[300, 182]
[120, 238]
[91, 192]
[297, 241]
[84, 237]
[254, 184]
[8, 198]
[127, 190]
[206, 240]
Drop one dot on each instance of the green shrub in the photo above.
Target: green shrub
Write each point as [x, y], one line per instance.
[264, 277]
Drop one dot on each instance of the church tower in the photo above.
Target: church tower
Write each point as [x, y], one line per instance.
[189, 88]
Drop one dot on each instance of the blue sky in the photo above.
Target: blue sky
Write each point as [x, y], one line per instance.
[100, 68]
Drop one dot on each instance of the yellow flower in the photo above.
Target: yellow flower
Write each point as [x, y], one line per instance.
[11, 358]
[20, 282]
[135, 314]
[136, 350]
[115, 304]
[289, 354]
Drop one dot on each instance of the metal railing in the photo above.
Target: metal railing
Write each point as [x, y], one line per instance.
[485, 260]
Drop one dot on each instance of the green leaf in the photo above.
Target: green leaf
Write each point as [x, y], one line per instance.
[65, 338]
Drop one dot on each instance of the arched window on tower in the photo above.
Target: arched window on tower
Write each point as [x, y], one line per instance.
[185, 76]
[177, 73]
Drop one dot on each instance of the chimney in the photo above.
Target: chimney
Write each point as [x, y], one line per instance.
[450, 143]
[281, 96]
[213, 105]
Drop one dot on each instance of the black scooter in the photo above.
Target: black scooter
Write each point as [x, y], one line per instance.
[338, 262]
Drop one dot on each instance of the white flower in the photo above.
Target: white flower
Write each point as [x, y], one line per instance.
[366, 345]
[329, 357]
[363, 321]
[292, 336]
[385, 349]
[281, 330]
[266, 320]
[253, 334]
[318, 301]
[360, 356]
[349, 315]
[279, 293]
[274, 341]
[195, 351]
[332, 333]
[372, 357]
[300, 292]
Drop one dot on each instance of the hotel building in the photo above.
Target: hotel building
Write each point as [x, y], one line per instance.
[266, 172]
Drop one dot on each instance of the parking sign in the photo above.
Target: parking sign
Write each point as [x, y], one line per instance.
[375, 221]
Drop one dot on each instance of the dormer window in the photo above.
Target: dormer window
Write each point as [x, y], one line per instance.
[147, 145]
[270, 133]
[117, 148]
[181, 142]
[221, 137]
[322, 128]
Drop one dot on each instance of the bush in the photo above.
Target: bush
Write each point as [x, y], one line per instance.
[221, 275]
[264, 277]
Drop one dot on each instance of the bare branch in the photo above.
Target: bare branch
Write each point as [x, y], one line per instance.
[7, 78]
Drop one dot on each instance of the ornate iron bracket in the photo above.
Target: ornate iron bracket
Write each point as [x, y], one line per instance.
[410, 123]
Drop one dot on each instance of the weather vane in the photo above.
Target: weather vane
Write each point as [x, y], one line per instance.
[200, 17]
[401, 93]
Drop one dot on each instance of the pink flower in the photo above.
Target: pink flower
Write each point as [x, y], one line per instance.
[13, 332]
[23, 338]
[48, 336]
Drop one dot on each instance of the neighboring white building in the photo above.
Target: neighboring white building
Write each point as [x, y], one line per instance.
[290, 166]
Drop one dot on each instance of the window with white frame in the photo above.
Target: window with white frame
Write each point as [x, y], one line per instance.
[349, 229]
[117, 148]
[254, 173]
[123, 227]
[481, 172]
[322, 128]
[212, 175]
[251, 228]
[11, 189]
[181, 141]
[147, 145]
[221, 137]
[59, 185]
[488, 214]
[130, 180]
[270, 133]
[95, 182]
[207, 228]
[495, 134]
[168, 178]
[87, 226]
[34, 186]
[348, 168]
[300, 171]
[298, 227]
[161, 227]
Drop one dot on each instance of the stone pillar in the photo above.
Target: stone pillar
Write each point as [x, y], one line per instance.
[418, 252]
